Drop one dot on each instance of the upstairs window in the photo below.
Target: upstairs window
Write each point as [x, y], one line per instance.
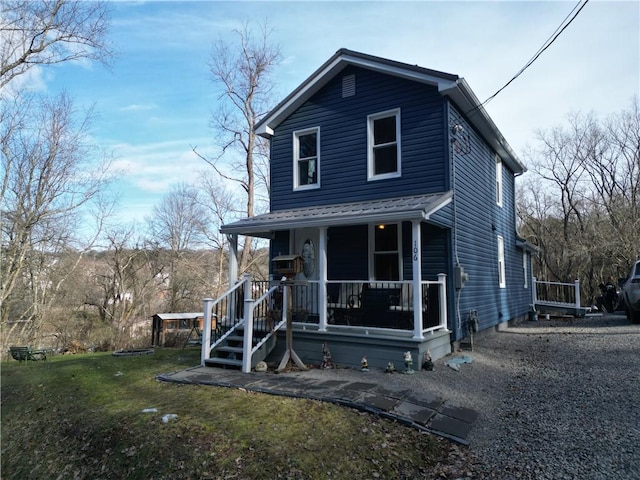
[383, 138]
[498, 181]
[306, 158]
[386, 252]
[502, 279]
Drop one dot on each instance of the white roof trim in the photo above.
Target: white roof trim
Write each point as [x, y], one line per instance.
[337, 63]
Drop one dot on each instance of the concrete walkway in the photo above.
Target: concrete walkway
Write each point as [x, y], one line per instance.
[348, 387]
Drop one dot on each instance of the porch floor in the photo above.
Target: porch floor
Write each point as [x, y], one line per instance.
[352, 388]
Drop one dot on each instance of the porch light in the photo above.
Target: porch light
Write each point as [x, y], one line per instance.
[380, 227]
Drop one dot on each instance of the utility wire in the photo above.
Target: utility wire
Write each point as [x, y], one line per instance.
[563, 25]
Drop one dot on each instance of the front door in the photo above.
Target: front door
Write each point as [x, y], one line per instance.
[306, 245]
[305, 297]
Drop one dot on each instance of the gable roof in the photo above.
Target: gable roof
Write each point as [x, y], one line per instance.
[416, 207]
[449, 85]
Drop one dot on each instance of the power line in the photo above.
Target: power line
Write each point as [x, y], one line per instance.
[563, 25]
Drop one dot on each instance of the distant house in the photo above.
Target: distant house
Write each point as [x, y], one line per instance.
[398, 191]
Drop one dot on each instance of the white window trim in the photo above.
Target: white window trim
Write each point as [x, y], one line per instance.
[525, 269]
[372, 251]
[370, 164]
[296, 157]
[502, 278]
[499, 184]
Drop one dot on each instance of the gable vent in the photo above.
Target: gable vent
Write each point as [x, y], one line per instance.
[348, 86]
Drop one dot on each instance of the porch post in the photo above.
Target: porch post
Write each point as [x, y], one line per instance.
[442, 294]
[416, 262]
[322, 277]
[233, 259]
[534, 294]
[576, 284]
[247, 344]
[206, 332]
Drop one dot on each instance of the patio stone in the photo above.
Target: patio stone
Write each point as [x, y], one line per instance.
[465, 414]
[450, 426]
[417, 413]
[380, 402]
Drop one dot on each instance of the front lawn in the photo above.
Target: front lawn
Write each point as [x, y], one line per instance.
[81, 417]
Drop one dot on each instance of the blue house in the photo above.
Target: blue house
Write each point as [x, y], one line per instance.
[395, 191]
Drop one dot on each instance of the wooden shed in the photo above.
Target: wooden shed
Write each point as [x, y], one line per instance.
[172, 325]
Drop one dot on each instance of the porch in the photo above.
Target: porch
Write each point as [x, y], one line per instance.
[356, 318]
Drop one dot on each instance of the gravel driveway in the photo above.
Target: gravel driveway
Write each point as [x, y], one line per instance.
[557, 399]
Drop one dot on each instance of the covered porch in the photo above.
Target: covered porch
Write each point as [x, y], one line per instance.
[364, 272]
[253, 315]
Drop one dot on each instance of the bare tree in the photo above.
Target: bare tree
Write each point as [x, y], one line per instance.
[51, 173]
[581, 205]
[176, 227]
[42, 32]
[242, 72]
[125, 283]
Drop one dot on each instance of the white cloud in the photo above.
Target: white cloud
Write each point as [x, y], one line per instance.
[155, 167]
[137, 107]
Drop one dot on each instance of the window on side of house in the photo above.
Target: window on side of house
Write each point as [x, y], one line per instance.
[386, 252]
[525, 270]
[306, 158]
[501, 268]
[383, 139]
[498, 181]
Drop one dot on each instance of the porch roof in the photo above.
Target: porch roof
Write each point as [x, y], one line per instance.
[179, 316]
[416, 207]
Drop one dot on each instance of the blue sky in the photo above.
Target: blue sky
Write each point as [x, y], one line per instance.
[156, 101]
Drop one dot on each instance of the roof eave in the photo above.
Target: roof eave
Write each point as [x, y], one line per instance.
[237, 228]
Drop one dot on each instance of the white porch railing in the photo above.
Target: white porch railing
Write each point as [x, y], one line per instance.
[561, 294]
[235, 309]
[374, 306]
[359, 306]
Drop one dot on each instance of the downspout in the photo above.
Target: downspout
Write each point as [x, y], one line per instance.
[457, 327]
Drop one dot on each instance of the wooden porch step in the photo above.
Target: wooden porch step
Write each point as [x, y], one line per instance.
[227, 348]
[224, 362]
[239, 339]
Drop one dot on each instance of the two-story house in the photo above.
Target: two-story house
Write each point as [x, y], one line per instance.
[398, 191]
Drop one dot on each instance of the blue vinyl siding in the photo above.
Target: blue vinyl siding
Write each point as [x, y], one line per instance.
[465, 230]
[343, 142]
[444, 216]
[435, 251]
[479, 221]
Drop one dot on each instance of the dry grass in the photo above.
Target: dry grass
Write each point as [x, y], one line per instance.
[81, 417]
